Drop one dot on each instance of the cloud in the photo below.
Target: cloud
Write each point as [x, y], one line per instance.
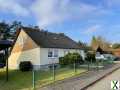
[49, 12]
[92, 29]
[12, 6]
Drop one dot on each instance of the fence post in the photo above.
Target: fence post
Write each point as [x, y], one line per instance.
[74, 68]
[97, 65]
[53, 72]
[103, 64]
[91, 61]
[75, 64]
[6, 58]
[33, 72]
[88, 66]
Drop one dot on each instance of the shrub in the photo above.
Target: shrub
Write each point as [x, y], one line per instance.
[71, 58]
[25, 66]
[62, 61]
[77, 58]
[90, 57]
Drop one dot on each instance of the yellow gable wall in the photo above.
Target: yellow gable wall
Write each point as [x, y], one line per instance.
[25, 49]
[23, 42]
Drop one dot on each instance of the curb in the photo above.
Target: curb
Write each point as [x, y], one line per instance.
[84, 88]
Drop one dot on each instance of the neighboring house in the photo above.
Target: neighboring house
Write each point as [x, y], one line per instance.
[99, 54]
[103, 55]
[40, 47]
[116, 52]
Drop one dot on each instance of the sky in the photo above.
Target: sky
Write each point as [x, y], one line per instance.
[78, 19]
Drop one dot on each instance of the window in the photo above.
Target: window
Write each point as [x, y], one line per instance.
[53, 53]
[50, 53]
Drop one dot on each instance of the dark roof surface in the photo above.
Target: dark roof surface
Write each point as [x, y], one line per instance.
[99, 49]
[50, 40]
[5, 44]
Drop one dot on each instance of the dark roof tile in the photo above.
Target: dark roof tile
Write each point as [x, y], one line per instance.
[47, 39]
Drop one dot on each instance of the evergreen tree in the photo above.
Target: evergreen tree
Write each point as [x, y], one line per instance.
[8, 31]
[94, 43]
[4, 30]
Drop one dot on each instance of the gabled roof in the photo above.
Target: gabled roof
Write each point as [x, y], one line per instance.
[47, 39]
[99, 49]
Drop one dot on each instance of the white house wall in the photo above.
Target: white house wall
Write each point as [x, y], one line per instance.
[45, 60]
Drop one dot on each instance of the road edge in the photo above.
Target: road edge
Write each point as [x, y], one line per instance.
[107, 74]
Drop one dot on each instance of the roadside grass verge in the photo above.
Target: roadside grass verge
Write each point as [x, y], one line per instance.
[23, 80]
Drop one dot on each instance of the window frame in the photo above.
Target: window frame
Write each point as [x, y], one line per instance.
[50, 51]
[54, 53]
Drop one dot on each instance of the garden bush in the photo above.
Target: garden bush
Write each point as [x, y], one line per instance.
[25, 66]
[90, 57]
[71, 58]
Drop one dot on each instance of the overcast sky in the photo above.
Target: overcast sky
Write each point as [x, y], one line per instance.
[79, 19]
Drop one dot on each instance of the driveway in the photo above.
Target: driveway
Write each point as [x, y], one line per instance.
[105, 84]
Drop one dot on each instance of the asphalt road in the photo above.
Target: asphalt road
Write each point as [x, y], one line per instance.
[105, 83]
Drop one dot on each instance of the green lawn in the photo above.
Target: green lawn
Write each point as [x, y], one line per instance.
[23, 80]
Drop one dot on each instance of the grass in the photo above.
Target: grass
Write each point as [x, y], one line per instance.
[46, 77]
[17, 80]
[23, 80]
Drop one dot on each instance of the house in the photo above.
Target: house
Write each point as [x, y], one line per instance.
[40, 47]
[103, 54]
[99, 53]
[116, 52]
